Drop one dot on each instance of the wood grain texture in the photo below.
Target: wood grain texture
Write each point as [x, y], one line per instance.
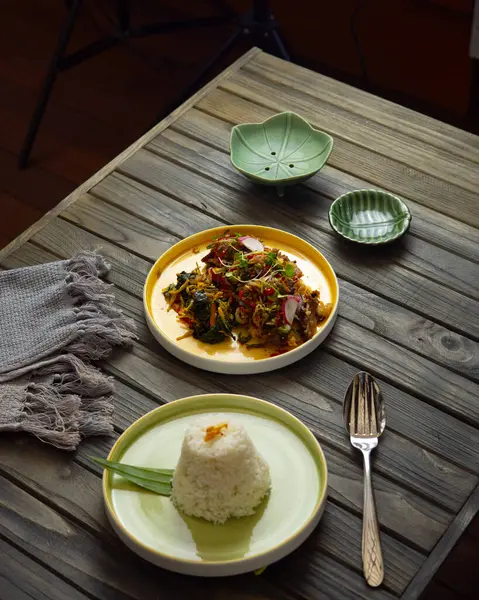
[452, 429]
[456, 349]
[99, 175]
[392, 321]
[441, 343]
[423, 528]
[63, 237]
[237, 202]
[367, 106]
[59, 480]
[398, 459]
[345, 477]
[76, 555]
[108, 571]
[421, 372]
[444, 546]
[139, 372]
[372, 166]
[415, 254]
[353, 134]
[135, 234]
[427, 224]
[416, 467]
[364, 132]
[135, 373]
[120, 228]
[22, 578]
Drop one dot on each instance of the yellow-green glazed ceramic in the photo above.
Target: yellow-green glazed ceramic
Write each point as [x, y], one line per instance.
[370, 217]
[229, 356]
[281, 151]
[152, 527]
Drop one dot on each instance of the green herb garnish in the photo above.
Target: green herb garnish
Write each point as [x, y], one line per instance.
[155, 480]
[241, 260]
[271, 258]
[289, 269]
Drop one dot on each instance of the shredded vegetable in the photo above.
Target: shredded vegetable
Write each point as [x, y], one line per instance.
[248, 292]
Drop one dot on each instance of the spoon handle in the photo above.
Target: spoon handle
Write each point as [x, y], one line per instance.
[373, 566]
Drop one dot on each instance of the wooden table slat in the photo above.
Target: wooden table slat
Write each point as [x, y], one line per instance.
[416, 254]
[421, 373]
[105, 569]
[75, 490]
[346, 490]
[426, 520]
[368, 133]
[371, 271]
[363, 104]
[343, 478]
[141, 237]
[364, 308]
[400, 460]
[408, 414]
[416, 470]
[367, 164]
[22, 578]
[331, 182]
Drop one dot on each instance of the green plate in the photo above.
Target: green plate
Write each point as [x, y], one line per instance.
[281, 151]
[369, 217]
[151, 526]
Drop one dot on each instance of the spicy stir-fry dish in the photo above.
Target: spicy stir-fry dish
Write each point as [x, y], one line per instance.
[247, 292]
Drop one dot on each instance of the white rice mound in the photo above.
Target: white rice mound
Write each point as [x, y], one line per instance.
[221, 478]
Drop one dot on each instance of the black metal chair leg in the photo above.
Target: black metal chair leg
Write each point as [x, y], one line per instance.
[48, 83]
[278, 42]
[198, 80]
[222, 52]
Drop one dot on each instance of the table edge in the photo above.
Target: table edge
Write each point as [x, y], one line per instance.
[443, 548]
[139, 143]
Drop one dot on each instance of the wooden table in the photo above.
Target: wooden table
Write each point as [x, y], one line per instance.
[409, 313]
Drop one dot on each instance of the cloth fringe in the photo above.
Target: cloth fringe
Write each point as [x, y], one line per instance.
[51, 416]
[63, 419]
[100, 324]
[66, 398]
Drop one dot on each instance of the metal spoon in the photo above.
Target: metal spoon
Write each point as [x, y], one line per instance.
[365, 420]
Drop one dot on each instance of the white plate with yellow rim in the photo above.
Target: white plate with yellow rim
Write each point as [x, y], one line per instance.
[229, 356]
[151, 526]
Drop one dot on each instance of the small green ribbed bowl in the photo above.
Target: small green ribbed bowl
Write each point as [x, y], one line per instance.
[369, 217]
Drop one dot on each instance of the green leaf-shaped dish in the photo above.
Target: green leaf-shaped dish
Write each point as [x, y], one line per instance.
[281, 151]
[369, 217]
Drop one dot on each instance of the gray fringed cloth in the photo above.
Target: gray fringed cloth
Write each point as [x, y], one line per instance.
[55, 319]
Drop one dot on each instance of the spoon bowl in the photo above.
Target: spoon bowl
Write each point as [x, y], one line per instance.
[365, 381]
